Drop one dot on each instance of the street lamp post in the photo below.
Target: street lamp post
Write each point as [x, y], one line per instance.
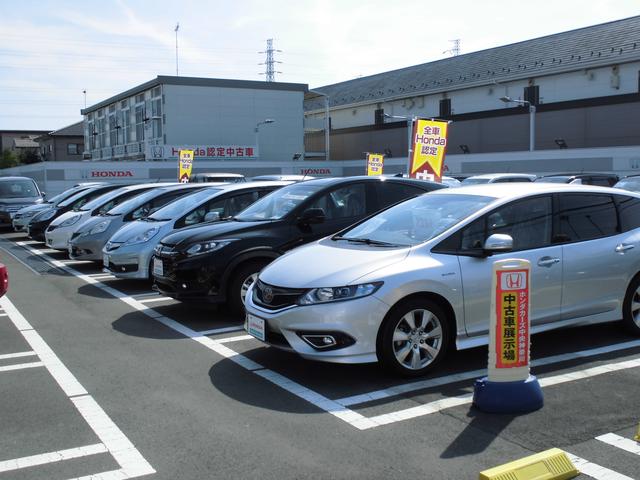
[256, 130]
[326, 122]
[532, 119]
[410, 121]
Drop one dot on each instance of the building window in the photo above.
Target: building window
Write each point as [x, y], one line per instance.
[139, 123]
[113, 131]
[126, 126]
[156, 116]
[72, 149]
[445, 108]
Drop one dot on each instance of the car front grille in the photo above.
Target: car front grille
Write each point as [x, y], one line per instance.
[275, 298]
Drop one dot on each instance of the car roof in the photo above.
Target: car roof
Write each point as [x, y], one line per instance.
[515, 190]
[581, 174]
[15, 178]
[329, 181]
[218, 174]
[249, 185]
[502, 175]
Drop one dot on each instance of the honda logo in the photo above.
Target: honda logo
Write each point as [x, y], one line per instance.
[267, 295]
[513, 281]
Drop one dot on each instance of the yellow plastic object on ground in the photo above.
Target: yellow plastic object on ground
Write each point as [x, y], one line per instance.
[637, 437]
[551, 464]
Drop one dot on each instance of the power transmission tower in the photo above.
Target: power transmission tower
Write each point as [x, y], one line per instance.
[270, 61]
[455, 50]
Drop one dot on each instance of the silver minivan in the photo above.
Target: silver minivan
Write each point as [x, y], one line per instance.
[404, 286]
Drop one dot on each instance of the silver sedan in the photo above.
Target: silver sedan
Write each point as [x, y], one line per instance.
[408, 284]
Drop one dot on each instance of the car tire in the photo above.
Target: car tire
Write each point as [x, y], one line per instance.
[631, 306]
[241, 280]
[414, 337]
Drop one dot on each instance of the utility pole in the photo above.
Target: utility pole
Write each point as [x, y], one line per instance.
[176, 30]
[85, 97]
[270, 61]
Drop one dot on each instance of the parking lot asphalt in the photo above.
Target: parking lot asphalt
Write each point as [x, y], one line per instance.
[104, 377]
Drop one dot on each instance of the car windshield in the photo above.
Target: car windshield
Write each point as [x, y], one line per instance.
[18, 189]
[102, 199]
[417, 220]
[73, 199]
[632, 184]
[474, 181]
[184, 204]
[277, 204]
[132, 203]
[554, 179]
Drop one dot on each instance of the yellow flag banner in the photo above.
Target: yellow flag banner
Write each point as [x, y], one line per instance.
[185, 162]
[375, 163]
[429, 147]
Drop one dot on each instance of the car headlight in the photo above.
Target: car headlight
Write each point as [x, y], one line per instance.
[46, 215]
[70, 221]
[100, 227]
[28, 214]
[335, 294]
[143, 237]
[206, 247]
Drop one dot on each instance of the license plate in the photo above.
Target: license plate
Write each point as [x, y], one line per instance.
[105, 260]
[255, 327]
[158, 268]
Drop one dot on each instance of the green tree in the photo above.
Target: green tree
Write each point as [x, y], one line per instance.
[28, 156]
[8, 159]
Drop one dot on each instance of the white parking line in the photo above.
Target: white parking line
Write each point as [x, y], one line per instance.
[458, 377]
[21, 366]
[594, 470]
[337, 408]
[158, 299]
[43, 458]
[239, 338]
[17, 355]
[436, 406]
[620, 442]
[216, 331]
[132, 463]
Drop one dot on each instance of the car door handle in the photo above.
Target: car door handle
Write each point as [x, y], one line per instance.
[548, 261]
[623, 247]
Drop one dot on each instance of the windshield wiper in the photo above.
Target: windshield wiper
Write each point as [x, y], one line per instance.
[367, 241]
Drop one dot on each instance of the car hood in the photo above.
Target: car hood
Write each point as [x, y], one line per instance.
[134, 228]
[92, 222]
[38, 207]
[67, 215]
[210, 231]
[329, 264]
[21, 201]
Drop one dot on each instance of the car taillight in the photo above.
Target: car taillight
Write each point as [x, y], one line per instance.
[4, 280]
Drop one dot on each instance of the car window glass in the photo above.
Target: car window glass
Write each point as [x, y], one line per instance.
[528, 222]
[418, 219]
[390, 193]
[343, 202]
[237, 203]
[629, 209]
[18, 188]
[473, 235]
[585, 217]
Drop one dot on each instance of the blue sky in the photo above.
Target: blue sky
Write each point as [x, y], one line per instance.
[50, 51]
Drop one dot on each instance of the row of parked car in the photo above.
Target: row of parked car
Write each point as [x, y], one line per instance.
[361, 269]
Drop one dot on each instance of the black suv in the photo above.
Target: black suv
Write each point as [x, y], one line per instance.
[220, 261]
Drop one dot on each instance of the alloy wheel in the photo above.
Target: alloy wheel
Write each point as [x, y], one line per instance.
[417, 339]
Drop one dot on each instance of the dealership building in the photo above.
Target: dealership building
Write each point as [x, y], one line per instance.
[219, 119]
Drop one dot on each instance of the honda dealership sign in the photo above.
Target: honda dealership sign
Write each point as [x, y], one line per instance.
[203, 152]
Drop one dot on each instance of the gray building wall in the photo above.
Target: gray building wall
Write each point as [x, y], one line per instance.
[228, 116]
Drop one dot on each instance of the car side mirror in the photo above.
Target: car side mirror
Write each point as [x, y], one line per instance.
[312, 216]
[498, 242]
[212, 217]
